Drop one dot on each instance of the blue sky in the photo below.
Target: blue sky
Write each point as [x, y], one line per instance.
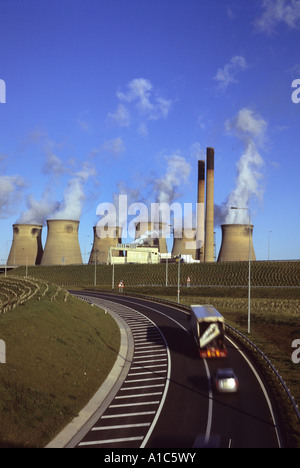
[123, 96]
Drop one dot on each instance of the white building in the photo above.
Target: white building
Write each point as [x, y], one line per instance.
[133, 254]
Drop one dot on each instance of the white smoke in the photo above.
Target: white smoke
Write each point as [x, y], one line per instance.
[145, 199]
[147, 238]
[74, 195]
[165, 189]
[250, 129]
[168, 188]
[38, 211]
[53, 167]
[10, 188]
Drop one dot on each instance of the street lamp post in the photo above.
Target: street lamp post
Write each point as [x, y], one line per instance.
[249, 273]
[86, 259]
[167, 270]
[95, 270]
[178, 280]
[269, 245]
[6, 257]
[167, 274]
[113, 274]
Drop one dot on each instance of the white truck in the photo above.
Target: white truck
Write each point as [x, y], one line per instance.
[208, 329]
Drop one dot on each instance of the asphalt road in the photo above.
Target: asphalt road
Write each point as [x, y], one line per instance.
[168, 399]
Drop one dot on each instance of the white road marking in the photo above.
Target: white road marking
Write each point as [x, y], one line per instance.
[262, 387]
[111, 441]
[120, 426]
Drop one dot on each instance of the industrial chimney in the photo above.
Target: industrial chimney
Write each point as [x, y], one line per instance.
[200, 211]
[104, 238]
[209, 209]
[185, 243]
[152, 235]
[26, 248]
[235, 243]
[62, 244]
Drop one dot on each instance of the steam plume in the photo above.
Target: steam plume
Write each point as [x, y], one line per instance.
[37, 211]
[167, 188]
[10, 187]
[73, 199]
[251, 130]
[74, 195]
[160, 190]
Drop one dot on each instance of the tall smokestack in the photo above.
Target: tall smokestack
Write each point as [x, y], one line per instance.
[62, 244]
[235, 243]
[200, 210]
[104, 238]
[209, 210]
[26, 248]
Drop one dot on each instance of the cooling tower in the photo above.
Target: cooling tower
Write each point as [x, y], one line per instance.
[209, 208]
[26, 248]
[200, 210]
[235, 243]
[152, 235]
[62, 244]
[104, 238]
[185, 243]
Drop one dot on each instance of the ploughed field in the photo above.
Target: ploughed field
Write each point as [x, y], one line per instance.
[263, 273]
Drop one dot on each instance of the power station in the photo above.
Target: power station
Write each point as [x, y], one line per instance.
[62, 244]
[26, 247]
[237, 244]
[191, 244]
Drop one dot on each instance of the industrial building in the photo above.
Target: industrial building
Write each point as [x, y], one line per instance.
[134, 254]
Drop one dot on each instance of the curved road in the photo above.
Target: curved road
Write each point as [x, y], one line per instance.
[168, 399]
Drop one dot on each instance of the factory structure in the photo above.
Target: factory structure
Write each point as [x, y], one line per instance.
[150, 244]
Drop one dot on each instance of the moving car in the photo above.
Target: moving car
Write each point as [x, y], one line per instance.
[226, 381]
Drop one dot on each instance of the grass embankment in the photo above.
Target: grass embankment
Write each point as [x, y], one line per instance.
[59, 350]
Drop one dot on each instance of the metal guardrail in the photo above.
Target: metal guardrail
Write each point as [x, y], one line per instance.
[282, 382]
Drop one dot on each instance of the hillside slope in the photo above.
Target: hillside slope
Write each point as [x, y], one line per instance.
[59, 350]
